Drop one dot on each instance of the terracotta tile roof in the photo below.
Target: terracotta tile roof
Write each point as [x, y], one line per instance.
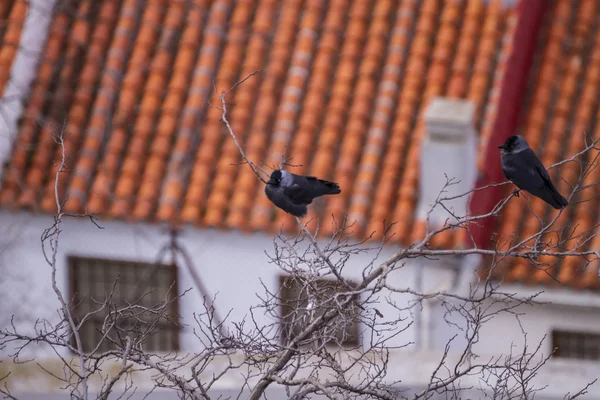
[343, 90]
[563, 103]
[12, 18]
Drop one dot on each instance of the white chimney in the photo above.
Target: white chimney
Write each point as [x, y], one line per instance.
[448, 151]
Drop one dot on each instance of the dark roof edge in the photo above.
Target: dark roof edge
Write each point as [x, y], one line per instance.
[514, 82]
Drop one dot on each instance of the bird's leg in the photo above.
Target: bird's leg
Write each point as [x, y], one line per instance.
[516, 192]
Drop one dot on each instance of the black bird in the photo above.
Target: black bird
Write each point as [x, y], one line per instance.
[292, 193]
[522, 166]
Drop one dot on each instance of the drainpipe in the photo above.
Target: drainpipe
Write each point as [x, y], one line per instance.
[525, 40]
[418, 319]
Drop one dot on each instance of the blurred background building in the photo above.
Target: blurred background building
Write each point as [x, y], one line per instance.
[359, 92]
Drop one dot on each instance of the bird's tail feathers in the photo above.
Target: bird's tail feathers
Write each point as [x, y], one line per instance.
[332, 187]
[559, 201]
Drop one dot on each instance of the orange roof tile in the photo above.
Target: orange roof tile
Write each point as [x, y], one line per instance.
[343, 91]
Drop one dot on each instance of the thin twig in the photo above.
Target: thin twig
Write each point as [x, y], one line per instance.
[54, 245]
[255, 168]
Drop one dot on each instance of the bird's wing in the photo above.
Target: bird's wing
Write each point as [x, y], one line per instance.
[550, 193]
[299, 194]
[322, 186]
[281, 200]
[526, 170]
[305, 188]
[537, 164]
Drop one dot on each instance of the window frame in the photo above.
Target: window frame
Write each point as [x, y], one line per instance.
[76, 298]
[354, 338]
[571, 353]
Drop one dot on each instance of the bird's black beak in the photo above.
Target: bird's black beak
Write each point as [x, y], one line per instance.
[270, 182]
[502, 146]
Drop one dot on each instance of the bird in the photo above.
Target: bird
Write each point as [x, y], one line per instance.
[292, 193]
[522, 167]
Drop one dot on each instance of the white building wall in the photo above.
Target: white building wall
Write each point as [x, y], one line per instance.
[233, 264]
[505, 333]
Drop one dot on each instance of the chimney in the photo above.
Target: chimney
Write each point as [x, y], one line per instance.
[448, 150]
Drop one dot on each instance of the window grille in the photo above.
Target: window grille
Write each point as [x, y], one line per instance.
[151, 287]
[295, 305]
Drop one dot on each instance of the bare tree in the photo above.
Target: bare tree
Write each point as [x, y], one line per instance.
[310, 348]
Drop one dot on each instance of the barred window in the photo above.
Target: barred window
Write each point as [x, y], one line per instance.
[152, 288]
[299, 297]
[578, 345]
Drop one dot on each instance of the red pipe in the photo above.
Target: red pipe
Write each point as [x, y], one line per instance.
[530, 16]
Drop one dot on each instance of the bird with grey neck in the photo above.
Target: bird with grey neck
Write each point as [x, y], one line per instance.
[522, 167]
[293, 193]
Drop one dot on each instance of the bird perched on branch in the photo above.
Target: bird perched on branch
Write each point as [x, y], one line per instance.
[522, 167]
[292, 193]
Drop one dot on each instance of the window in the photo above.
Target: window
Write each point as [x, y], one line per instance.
[579, 345]
[152, 286]
[295, 293]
